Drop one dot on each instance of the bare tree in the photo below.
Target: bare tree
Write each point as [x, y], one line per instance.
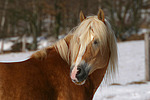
[124, 16]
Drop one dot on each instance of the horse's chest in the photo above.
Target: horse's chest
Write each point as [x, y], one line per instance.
[71, 93]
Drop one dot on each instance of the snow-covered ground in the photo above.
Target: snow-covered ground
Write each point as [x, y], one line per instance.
[129, 84]
[131, 75]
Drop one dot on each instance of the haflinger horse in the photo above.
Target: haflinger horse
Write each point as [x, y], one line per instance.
[71, 69]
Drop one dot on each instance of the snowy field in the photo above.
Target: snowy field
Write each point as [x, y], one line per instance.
[128, 85]
[131, 75]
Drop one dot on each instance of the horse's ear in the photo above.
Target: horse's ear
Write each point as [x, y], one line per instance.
[82, 16]
[101, 15]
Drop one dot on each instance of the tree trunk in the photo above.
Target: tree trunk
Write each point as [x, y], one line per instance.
[2, 46]
[35, 25]
[3, 15]
[57, 18]
[2, 24]
[24, 43]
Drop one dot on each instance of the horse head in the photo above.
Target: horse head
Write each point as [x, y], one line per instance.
[92, 47]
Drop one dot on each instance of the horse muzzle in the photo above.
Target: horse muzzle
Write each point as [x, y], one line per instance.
[79, 73]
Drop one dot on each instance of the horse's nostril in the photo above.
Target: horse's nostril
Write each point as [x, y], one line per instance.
[81, 74]
[79, 71]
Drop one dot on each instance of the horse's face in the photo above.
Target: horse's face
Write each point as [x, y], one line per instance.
[92, 54]
[93, 58]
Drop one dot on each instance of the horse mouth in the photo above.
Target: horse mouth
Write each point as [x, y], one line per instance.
[79, 83]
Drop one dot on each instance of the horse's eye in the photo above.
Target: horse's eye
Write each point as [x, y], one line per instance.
[95, 42]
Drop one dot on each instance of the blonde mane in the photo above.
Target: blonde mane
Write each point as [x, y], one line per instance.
[113, 60]
[60, 46]
[81, 35]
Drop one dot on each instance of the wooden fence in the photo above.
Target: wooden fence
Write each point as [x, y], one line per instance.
[147, 56]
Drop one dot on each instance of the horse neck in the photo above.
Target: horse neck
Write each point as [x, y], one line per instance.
[97, 77]
[53, 59]
[54, 56]
[56, 68]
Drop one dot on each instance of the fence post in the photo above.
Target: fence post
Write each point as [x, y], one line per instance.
[147, 56]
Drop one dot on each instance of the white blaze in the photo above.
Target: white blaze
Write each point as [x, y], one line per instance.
[82, 51]
[79, 57]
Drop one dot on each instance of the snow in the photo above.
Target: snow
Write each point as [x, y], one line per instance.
[143, 30]
[43, 44]
[131, 70]
[124, 92]
[131, 61]
[130, 84]
[7, 45]
[14, 57]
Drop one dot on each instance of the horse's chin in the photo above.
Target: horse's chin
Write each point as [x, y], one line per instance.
[80, 83]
